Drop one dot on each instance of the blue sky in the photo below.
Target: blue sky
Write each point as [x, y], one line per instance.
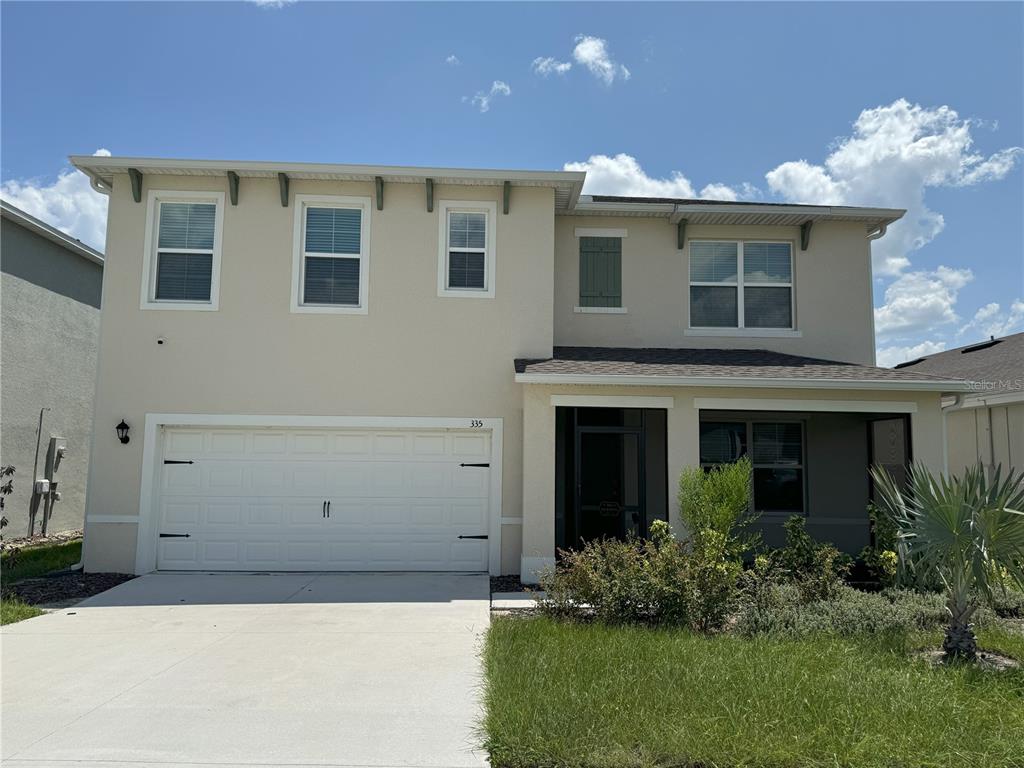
[916, 105]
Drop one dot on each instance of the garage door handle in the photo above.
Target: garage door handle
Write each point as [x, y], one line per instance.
[473, 537]
[174, 461]
[323, 510]
[474, 465]
[174, 536]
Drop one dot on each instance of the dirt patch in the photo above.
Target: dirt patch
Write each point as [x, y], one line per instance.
[28, 542]
[508, 584]
[64, 589]
[985, 660]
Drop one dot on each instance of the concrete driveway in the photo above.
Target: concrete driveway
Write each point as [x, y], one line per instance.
[251, 669]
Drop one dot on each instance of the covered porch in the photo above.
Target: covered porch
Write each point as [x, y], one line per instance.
[604, 458]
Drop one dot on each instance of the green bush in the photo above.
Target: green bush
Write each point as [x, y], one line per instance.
[718, 500]
[659, 581]
[816, 568]
[881, 558]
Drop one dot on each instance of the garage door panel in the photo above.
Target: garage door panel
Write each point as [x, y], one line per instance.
[254, 500]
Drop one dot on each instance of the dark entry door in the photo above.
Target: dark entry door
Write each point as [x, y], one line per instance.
[609, 482]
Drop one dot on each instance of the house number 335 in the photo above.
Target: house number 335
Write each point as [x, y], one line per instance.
[476, 423]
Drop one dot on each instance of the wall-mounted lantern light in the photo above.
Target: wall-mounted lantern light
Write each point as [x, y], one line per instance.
[122, 431]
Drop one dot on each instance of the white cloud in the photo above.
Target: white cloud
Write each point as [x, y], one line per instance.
[719, 191]
[896, 152]
[992, 320]
[622, 175]
[68, 203]
[482, 99]
[547, 65]
[890, 356]
[453, 60]
[920, 301]
[272, 3]
[592, 53]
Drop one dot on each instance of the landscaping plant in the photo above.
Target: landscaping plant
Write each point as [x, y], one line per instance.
[967, 532]
[718, 500]
[817, 568]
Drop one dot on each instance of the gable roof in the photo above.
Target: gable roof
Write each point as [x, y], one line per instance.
[995, 366]
[718, 367]
[31, 223]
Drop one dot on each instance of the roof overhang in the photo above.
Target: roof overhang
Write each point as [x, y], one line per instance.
[567, 184]
[751, 214]
[751, 382]
[41, 228]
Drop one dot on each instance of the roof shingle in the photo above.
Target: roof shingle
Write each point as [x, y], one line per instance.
[996, 367]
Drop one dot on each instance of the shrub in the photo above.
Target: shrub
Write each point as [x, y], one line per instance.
[656, 581]
[718, 500]
[816, 568]
[881, 558]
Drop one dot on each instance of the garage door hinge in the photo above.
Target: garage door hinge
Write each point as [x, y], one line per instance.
[474, 465]
[175, 535]
[175, 461]
[473, 537]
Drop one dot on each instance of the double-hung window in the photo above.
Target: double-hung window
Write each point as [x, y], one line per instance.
[182, 268]
[329, 273]
[465, 264]
[776, 451]
[741, 285]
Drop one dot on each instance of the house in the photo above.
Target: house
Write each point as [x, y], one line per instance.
[986, 424]
[344, 367]
[50, 315]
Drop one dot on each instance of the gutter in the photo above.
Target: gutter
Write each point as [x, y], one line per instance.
[654, 380]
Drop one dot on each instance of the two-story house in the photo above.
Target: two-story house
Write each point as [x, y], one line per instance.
[338, 367]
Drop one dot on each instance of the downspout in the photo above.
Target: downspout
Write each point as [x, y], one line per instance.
[874, 235]
[98, 185]
[955, 405]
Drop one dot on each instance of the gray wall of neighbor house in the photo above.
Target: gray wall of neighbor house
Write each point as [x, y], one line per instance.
[49, 313]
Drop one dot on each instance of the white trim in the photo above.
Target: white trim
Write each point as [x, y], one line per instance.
[982, 400]
[530, 568]
[301, 202]
[600, 232]
[152, 449]
[471, 206]
[781, 404]
[153, 198]
[750, 382]
[750, 333]
[613, 401]
[134, 519]
[600, 310]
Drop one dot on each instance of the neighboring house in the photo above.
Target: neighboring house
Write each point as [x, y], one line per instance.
[338, 367]
[49, 317]
[986, 424]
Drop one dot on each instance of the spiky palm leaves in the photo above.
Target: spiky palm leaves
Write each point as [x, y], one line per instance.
[966, 532]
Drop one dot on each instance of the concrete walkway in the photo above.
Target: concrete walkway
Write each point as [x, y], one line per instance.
[251, 669]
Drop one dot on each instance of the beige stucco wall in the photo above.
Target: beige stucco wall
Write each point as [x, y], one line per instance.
[413, 354]
[832, 282]
[683, 443]
[991, 435]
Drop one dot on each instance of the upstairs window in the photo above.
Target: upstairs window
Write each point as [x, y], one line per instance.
[466, 253]
[735, 284]
[601, 272]
[184, 229]
[331, 254]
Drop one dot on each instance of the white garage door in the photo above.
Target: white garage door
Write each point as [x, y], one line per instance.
[309, 500]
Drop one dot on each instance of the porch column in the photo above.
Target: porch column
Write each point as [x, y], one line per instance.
[538, 483]
[683, 451]
[926, 432]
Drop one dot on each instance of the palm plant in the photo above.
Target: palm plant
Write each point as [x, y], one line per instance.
[965, 532]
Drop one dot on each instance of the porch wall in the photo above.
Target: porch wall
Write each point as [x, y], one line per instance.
[683, 447]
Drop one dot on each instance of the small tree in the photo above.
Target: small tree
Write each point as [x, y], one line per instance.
[719, 500]
[965, 532]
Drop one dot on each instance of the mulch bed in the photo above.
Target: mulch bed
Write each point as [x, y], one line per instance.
[63, 588]
[508, 584]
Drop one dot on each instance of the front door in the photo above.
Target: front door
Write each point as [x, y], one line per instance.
[609, 482]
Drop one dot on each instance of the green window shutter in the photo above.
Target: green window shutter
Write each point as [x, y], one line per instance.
[600, 272]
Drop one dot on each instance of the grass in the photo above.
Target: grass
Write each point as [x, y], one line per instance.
[37, 561]
[12, 609]
[562, 694]
[27, 563]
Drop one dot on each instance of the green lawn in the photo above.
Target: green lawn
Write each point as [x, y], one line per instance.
[36, 561]
[560, 694]
[33, 561]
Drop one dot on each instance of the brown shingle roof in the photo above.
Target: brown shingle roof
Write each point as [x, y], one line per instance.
[753, 364]
[996, 366]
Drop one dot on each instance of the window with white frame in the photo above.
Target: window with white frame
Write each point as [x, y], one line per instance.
[466, 249]
[183, 266]
[330, 258]
[741, 284]
[776, 451]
